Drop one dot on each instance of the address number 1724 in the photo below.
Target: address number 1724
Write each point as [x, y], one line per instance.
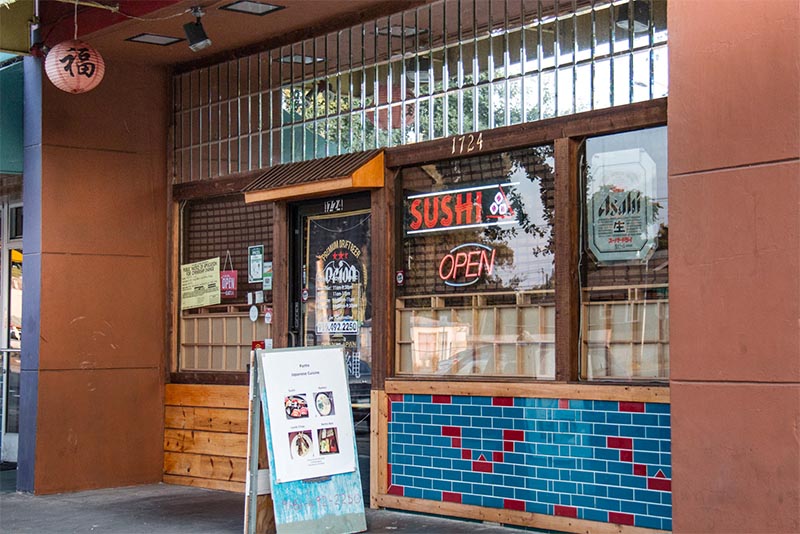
[464, 144]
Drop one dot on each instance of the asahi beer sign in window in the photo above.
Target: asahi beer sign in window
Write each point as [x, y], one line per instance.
[621, 206]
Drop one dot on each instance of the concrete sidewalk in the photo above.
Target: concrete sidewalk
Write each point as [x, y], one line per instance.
[161, 508]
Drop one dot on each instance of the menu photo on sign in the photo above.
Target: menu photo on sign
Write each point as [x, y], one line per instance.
[309, 410]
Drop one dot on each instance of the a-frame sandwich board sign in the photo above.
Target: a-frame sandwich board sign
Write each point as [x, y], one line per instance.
[310, 438]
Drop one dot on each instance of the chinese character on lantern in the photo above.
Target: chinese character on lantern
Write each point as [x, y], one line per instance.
[74, 66]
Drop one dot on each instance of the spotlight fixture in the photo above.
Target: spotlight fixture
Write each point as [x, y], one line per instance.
[641, 16]
[195, 33]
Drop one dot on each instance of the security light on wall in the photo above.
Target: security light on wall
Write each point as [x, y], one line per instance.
[195, 33]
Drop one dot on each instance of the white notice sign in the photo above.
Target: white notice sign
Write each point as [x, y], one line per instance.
[200, 284]
[309, 412]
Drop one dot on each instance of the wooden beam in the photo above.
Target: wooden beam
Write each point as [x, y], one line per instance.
[547, 390]
[226, 378]
[173, 298]
[374, 448]
[208, 483]
[384, 233]
[215, 187]
[510, 517]
[599, 122]
[567, 257]
[280, 268]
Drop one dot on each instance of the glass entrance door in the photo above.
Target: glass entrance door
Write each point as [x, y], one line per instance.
[11, 338]
[331, 289]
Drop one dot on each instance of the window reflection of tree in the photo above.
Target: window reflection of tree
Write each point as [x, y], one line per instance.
[534, 222]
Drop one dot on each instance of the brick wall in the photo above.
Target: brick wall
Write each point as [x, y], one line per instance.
[588, 459]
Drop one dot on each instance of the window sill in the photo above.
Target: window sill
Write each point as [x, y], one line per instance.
[493, 387]
[219, 378]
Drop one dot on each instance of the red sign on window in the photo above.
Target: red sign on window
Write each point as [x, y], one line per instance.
[472, 207]
[466, 264]
[227, 284]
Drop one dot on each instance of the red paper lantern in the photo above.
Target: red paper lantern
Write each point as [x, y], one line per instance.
[74, 66]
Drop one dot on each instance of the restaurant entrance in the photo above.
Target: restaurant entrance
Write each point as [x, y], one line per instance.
[330, 294]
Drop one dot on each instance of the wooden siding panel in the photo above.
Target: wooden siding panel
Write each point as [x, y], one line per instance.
[206, 396]
[205, 466]
[198, 442]
[209, 419]
[205, 436]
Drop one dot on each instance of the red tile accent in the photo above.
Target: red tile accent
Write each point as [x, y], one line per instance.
[456, 443]
[566, 511]
[395, 397]
[502, 401]
[395, 490]
[659, 484]
[466, 454]
[513, 504]
[660, 474]
[620, 518]
[563, 403]
[481, 458]
[442, 399]
[514, 435]
[448, 496]
[631, 407]
[452, 431]
[389, 412]
[483, 467]
[640, 469]
[625, 456]
[508, 446]
[389, 473]
[619, 443]
[497, 457]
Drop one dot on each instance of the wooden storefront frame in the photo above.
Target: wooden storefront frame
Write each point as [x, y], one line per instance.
[566, 134]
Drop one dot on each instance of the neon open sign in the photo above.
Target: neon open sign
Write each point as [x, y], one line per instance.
[457, 209]
[466, 264]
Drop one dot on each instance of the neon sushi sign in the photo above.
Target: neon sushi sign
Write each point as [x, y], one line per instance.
[457, 209]
[465, 264]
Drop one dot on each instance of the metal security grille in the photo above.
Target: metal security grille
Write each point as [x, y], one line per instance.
[447, 68]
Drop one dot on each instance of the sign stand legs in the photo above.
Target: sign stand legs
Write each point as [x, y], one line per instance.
[259, 517]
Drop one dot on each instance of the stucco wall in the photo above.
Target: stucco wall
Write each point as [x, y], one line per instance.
[100, 204]
[734, 142]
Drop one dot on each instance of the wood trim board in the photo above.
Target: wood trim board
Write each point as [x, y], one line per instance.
[598, 122]
[628, 393]
[509, 517]
[567, 258]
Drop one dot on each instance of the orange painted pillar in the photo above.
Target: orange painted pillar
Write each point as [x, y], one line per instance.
[734, 149]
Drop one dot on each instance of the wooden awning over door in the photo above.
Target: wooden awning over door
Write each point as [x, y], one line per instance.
[335, 175]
